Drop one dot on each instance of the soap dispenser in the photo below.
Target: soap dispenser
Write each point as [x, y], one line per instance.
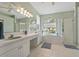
[25, 32]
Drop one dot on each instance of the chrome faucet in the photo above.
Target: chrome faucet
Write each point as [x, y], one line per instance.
[11, 36]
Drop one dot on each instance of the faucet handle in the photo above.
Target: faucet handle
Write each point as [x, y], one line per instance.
[11, 36]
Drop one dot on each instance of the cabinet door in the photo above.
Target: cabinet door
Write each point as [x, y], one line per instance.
[11, 49]
[20, 51]
[16, 49]
[26, 47]
[11, 53]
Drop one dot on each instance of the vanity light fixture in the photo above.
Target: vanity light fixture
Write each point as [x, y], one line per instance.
[24, 12]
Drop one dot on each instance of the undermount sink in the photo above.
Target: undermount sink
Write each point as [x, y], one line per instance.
[16, 37]
[12, 38]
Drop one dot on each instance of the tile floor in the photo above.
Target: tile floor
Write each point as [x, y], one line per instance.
[57, 49]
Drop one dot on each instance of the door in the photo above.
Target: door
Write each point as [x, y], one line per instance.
[68, 31]
[1, 30]
[77, 20]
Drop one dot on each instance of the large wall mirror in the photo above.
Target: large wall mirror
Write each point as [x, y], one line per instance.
[8, 23]
[12, 24]
[21, 25]
[25, 24]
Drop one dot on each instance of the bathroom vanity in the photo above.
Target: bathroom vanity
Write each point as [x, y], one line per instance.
[19, 47]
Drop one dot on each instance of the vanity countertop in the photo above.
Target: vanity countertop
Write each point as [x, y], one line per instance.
[7, 41]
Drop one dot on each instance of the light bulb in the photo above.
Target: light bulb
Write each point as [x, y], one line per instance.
[25, 11]
[22, 11]
[18, 10]
[26, 15]
[29, 14]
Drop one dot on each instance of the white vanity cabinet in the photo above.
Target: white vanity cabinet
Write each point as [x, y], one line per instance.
[18, 48]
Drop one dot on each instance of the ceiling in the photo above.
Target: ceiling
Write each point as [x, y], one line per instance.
[52, 7]
[41, 7]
